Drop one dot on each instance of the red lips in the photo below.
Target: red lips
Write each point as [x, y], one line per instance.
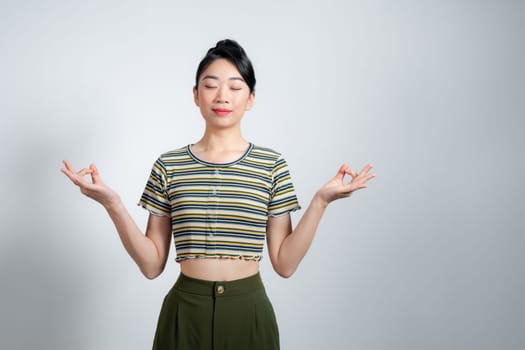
[221, 111]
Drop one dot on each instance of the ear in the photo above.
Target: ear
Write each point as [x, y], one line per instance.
[251, 99]
[196, 96]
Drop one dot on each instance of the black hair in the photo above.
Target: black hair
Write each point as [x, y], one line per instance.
[235, 54]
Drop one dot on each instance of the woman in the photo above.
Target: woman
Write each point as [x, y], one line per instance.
[219, 198]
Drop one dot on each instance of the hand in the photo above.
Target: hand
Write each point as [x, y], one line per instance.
[96, 189]
[336, 188]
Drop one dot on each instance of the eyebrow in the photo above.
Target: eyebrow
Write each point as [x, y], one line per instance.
[214, 77]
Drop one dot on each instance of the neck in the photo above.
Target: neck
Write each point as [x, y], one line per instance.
[222, 140]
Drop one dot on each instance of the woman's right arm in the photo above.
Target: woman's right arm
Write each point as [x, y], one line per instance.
[149, 251]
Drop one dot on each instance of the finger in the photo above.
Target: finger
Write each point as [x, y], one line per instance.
[342, 171]
[68, 166]
[352, 187]
[366, 169]
[70, 175]
[352, 173]
[84, 172]
[69, 171]
[95, 177]
[361, 181]
[76, 178]
[369, 177]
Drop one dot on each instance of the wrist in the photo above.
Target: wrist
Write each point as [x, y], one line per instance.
[319, 201]
[113, 204]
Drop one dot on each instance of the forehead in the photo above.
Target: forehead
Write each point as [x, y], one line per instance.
[221, 69]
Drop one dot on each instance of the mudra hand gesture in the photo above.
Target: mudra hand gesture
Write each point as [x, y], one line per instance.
[96, 189]
[337, 188]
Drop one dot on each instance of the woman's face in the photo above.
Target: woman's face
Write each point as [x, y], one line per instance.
[222, 95]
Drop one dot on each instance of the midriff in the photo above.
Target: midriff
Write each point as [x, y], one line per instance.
[216, 269]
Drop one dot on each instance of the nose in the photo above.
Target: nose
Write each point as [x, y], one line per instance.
[222, 95]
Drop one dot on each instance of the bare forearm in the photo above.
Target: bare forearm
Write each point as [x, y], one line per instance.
[141, 249]
[297, 243]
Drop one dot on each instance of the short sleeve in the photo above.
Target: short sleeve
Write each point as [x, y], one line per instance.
[283, 198]
[155, 195]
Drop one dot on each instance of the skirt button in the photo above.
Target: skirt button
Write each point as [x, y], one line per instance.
[220, 289]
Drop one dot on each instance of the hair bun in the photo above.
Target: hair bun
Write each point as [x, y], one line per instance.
[227, 43]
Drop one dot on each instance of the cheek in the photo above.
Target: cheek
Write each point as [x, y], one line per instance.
[203, 97]
[242, 99]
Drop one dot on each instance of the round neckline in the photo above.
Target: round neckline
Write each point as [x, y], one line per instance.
[197, 159]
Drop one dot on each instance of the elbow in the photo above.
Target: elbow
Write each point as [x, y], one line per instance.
[284, 272]
[151, 274]
[283, 267]
[285, 275]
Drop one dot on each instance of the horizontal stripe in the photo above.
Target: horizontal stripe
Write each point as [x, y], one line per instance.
[221, 208]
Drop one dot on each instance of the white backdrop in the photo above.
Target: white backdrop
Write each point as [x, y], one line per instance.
[430, 92]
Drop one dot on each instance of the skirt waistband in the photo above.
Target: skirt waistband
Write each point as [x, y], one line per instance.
[219, 288]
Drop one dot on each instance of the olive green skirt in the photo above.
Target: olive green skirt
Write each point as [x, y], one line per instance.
[198, 314]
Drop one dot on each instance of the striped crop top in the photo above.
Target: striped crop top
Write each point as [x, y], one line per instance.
[219, 210]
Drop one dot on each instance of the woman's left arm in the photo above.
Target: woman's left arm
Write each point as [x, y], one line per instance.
[287, 247]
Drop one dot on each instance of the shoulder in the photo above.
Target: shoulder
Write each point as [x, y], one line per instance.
[170, 159]
[174, 152]
[266, 153]
[272, 159]
[178, 153]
